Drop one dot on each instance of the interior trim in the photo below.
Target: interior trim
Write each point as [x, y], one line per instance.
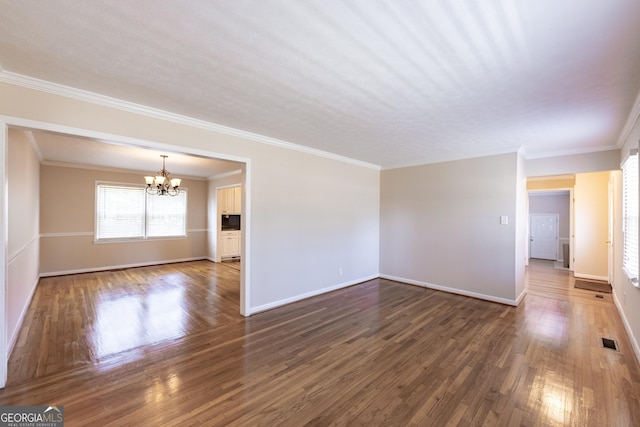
[513, 302]
[107, 101]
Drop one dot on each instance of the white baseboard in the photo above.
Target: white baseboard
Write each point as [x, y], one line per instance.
[627, 327]
[454, 290]
[275, 304]
[118, 267]
[521, 297]
[16, 333]
[590, 276]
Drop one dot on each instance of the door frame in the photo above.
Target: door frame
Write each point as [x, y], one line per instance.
[610, 228]
[571, 220]
[7, 122]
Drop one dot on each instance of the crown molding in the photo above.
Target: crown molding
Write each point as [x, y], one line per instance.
[571, 152]
[630, 124]
[521, 151]
[107, 101]
[451, 158]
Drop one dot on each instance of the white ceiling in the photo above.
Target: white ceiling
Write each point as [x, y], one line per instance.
[387, 82]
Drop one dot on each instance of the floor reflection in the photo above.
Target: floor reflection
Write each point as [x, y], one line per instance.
[550, 322]
[555, 394]
[128, 321]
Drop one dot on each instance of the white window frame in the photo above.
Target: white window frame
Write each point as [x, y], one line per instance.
[145, 215]
[630, 217]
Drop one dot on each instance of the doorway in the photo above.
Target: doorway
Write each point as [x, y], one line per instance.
[550, 222]
[586, 228]
[117, 141]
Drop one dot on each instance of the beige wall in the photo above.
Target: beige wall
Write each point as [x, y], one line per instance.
[440, 226]
[23, 239]
[310, 215]
[67, 220]
[551, 183]
[591, 225]
[575, 163]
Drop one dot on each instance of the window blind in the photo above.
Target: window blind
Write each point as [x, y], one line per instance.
[166, 215]
[128, 212]
[119, 212]
[630, 215]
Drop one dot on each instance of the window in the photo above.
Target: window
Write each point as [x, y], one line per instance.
[630, 216]
[128, 212]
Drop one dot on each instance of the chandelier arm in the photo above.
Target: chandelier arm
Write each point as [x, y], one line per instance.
[164, 188]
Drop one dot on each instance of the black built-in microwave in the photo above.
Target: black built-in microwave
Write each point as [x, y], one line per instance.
[230, 222]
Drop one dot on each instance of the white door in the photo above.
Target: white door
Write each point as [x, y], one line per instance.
[543, 238]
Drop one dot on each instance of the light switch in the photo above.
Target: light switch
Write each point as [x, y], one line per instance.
[504, 220]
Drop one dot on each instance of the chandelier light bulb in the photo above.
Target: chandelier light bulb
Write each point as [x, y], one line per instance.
[161, 184]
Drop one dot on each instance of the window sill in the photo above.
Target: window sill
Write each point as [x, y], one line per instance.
[138, 239]
[633, 279]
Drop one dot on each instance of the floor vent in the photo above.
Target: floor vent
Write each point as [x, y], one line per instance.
[607, 343]
[600, 296]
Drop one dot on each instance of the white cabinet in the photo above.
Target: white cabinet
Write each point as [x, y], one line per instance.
[229, 203]
[237, 199]
[229, 244]
[230, 200]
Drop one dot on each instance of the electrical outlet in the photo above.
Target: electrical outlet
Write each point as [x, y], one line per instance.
[504, 220]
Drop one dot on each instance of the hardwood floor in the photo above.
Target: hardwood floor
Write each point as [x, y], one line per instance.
[166, 346]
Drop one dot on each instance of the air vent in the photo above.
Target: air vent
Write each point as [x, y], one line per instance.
[600, 296]
[607, 343]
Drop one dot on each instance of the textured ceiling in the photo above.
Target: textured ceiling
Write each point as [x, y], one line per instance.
[387, 82]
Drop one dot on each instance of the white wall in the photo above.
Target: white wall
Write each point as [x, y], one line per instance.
[307, 215]
[626, 296]
[23, 239]
[318, 216]
[440, 226]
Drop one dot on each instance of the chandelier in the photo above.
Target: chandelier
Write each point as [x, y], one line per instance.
[160, 184]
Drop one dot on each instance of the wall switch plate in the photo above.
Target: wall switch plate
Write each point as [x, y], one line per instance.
[504, 220]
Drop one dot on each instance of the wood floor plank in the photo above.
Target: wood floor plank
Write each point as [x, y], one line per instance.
[165, 345]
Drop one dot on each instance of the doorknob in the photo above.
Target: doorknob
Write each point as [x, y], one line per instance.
[608, 241]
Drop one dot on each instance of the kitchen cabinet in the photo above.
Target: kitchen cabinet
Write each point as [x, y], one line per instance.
[229, 244]
[237, 199]
[230, 200]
